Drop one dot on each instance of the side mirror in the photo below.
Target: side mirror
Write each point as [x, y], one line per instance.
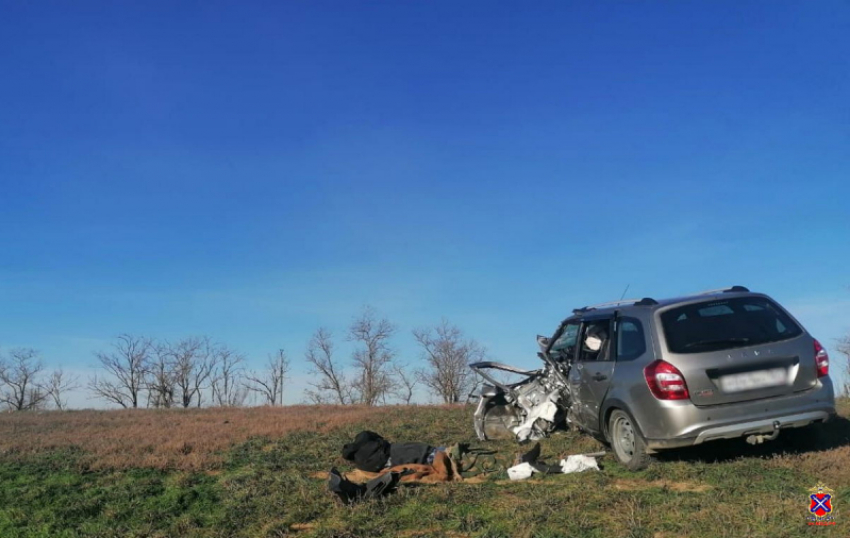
[543, 342]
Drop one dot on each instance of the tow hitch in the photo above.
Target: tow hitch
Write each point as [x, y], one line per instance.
[761, 438]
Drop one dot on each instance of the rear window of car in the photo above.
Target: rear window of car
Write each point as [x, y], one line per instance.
[726, 324]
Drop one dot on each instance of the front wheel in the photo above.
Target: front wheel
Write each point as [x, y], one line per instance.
[627, 442]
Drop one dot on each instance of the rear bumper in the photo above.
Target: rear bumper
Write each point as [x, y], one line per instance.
[686, 424]
[742, 429]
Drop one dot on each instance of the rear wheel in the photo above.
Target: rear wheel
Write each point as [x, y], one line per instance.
[627, 442]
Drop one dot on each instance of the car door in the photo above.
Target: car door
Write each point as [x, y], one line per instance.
[593, 371]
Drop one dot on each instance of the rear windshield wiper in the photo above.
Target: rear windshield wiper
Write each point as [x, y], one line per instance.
[716, 342]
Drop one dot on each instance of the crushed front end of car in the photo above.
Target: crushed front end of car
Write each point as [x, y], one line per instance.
[528, 409]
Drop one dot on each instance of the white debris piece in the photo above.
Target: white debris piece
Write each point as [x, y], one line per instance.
[521, 471]
[546, 411]
[578, 463]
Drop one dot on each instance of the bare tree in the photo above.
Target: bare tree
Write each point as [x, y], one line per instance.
[126, 369]
[447, 354]
[160, 381]
[373, 361]
[228, 389]
[329, 382]
[60, 384]
[406, 381]
[192, 365]
[20, 387]
[269, 383]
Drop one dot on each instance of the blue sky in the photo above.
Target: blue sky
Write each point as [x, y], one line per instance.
[253, 171]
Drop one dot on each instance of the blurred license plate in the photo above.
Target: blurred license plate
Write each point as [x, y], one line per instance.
[753, 380]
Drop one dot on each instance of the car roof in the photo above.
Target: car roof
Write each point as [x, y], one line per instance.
[650, 304]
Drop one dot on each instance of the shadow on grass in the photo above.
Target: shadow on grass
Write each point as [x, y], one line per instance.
[814, 438]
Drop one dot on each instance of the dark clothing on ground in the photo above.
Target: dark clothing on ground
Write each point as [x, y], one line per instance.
[404, 453]
[349, 492]
[371, 452]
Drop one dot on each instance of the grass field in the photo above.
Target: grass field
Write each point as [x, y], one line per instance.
[251, 473]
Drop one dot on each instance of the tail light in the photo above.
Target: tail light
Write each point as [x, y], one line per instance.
[665, 381]
[821, 360]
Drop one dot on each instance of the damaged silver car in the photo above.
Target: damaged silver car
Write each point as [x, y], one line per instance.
[648, 375]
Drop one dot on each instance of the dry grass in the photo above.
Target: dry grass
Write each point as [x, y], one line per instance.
[226, 484]
[833, 463]
[679, 486]
[826, 456]
[185, 439]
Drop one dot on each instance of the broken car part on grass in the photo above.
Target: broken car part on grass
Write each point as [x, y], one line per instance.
[530, 463]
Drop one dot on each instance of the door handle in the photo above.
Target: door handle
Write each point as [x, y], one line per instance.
[599, 377]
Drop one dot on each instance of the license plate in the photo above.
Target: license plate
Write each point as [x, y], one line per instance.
[754, 380]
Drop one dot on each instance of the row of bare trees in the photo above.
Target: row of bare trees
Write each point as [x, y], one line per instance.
[26, 385]
[373, 374]
[141, 371]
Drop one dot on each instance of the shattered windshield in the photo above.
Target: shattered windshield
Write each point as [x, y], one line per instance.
[564, 346]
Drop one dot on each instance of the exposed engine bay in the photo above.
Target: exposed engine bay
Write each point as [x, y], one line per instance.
[536, 405]
[527, 410]
[542, 400]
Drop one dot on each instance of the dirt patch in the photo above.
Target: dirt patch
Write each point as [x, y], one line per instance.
[637, 485]
[433, 532]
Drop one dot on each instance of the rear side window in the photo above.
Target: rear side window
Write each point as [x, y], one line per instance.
[726, 324]
[631, 343]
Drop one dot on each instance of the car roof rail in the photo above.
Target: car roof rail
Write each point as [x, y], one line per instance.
[733, 289]
[646, 301]
[605, 305]
[615, 303]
